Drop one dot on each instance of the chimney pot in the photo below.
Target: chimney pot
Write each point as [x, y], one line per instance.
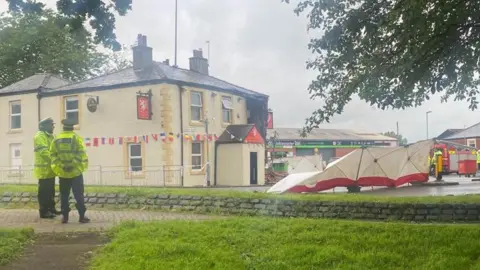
[198, 63]
[142, 55]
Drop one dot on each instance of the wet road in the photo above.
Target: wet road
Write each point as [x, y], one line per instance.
[466, 186]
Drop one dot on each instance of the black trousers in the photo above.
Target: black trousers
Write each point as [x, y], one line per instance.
[76, 186]
[46, 195]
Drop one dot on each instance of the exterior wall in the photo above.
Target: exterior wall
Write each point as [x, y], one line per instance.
[212, 110]
[467, 141]
[116, 116]
[23, 136]
[234, 164]
[340, 152]
[231, 169]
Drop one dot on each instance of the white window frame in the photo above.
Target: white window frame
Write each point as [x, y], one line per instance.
[13, 157]
[194, 167]
[196, 106]
[77, 110]
[474, 144]
[130, 157]
[225, 109]
[12, 115]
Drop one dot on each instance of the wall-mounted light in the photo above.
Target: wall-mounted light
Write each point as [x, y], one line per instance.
[214, 94]
[239, 99]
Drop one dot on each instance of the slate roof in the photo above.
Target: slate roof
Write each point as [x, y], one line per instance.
[159, 73]
[41, 80]
[290, 134]
[235, 133]
[470, 132]
[449, 132]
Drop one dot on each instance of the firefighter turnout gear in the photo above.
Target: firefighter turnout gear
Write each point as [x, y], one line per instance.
[69, 161]
[42, 169]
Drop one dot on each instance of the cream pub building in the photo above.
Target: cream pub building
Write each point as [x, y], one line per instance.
[145, 125]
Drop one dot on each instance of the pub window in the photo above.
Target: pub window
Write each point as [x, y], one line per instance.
[197, 155]
[196, 106]
[135, 157]
[71, 108]
[227, 109]
[15, 115]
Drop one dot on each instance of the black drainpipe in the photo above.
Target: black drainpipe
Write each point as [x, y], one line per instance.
[39, 97]
[181, 90]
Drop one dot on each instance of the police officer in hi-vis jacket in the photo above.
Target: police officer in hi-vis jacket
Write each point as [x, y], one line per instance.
[69, 161]
[43, 170]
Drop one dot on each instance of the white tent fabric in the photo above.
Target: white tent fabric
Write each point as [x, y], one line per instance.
[392, 166]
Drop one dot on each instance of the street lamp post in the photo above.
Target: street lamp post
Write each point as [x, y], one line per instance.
[426, 114]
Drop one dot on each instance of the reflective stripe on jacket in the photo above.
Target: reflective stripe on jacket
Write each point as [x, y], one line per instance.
[69, 158]
[42, 161]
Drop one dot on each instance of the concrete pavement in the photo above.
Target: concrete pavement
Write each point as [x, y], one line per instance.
[22, 218]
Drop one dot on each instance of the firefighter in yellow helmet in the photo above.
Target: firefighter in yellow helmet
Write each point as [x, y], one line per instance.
[42, 168]
[69, 161]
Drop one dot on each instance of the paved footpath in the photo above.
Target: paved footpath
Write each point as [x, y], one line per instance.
[22, 218]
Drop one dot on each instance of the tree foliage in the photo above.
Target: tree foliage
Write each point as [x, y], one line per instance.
[100, 14]
[392, 53]
[44, 43]
[401, 140]
[115, 61]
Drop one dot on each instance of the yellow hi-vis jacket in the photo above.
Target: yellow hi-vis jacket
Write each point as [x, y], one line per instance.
[435, 157]
[478, 157]
[42, 162]
[69, 158]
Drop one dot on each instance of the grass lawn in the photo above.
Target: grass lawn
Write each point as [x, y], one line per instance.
[12, 243]
[144, 192]
[269, 243]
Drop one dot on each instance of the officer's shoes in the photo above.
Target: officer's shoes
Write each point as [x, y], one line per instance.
[84, 220]
[65, 219]
[47, 215]
[56, 212]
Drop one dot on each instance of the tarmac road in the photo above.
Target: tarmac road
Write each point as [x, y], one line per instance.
[466, 186]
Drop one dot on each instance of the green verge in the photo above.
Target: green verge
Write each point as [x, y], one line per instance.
[359, 197]
[269, 243]
[12, 243]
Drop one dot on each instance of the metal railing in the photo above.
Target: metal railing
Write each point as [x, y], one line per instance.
[154, 176]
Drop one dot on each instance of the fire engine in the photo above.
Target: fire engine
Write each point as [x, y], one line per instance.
[452, 153]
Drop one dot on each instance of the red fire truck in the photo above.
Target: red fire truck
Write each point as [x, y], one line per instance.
[453, 154]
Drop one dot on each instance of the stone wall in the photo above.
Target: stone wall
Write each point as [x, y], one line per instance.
[442, 212]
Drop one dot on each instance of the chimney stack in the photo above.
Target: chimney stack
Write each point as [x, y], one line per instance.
[142, 55]
[198, 63]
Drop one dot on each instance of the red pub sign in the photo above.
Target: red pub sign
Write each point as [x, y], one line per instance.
[144, 106]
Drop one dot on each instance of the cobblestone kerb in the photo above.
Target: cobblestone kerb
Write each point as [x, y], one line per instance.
[441, 212]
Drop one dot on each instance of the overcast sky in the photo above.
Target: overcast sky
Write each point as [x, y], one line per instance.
[262, 45]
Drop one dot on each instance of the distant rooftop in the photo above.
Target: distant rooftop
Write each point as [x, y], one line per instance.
[470, 132]
[40, 80]
[449, 132]
[327, 134]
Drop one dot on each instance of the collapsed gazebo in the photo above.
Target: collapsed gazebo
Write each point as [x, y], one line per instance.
[389, 167]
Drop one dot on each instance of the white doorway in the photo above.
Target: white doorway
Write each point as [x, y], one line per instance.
[15, 156]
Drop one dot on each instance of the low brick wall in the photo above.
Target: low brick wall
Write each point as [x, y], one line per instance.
[460, 212]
